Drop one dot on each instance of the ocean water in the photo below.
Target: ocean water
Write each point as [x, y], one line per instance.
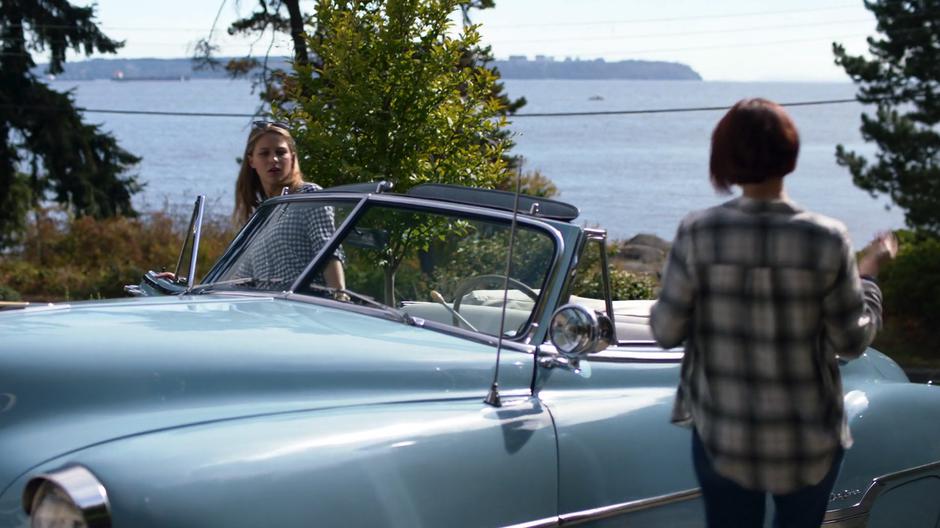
[629, 173]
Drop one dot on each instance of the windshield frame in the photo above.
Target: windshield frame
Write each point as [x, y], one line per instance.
[364, 202]
[455, 209]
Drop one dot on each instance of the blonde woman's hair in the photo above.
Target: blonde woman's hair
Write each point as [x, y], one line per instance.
[249, 193]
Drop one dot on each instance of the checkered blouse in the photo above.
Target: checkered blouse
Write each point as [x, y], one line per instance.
[292, 235]
[765, 295]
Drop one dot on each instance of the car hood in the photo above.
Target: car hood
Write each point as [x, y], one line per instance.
[76, 375]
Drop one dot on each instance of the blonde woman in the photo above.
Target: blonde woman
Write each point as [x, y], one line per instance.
[269, 165]
[269, 168]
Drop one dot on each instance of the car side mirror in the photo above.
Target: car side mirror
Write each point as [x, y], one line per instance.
[576, 331]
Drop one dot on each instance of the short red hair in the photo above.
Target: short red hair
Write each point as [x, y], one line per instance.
[754, 142]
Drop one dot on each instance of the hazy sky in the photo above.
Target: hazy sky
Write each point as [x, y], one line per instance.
[737, 40]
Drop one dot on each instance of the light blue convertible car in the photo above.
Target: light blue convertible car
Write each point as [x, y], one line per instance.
[464, 376]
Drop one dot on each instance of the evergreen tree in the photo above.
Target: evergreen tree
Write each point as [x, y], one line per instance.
[46, 150]
[902, 78]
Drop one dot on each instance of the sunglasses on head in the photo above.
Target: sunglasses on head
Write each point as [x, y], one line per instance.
[266, 124]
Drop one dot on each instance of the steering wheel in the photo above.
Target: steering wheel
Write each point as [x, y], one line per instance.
[470, 284]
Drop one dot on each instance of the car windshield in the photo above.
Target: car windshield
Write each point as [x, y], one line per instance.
[438, 266]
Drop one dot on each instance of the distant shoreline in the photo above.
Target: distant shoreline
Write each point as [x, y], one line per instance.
[513, 68]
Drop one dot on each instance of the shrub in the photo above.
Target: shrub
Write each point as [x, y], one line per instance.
[624, 285]
[911, 284]
[911, 288]
[9, 294]
[66, 258]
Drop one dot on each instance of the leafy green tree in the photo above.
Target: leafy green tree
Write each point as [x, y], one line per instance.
[285, 16]
[902, 79]
[392, 99]
[46, 150]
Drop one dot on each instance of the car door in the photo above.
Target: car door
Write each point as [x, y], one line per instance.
[620, 460]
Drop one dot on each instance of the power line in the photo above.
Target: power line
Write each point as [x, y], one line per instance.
[673, 110]
[534, 114]
[687, 33]
[838, 7]
[635, 52]
[674, 19]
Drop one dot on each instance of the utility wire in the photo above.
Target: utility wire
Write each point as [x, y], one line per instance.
[672, 110]
[633, 36]
[673, 19]
[107, 27]
[513, 116]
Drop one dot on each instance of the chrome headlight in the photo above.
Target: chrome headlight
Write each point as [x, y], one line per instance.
[67, 498]
[575, 331]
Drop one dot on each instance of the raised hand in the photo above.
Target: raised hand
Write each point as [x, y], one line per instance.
[878, 252]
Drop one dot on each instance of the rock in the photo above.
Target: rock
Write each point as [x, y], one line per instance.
[644, 239]
[644, 254]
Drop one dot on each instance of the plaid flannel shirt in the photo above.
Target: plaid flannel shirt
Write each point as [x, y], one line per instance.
[765, 295]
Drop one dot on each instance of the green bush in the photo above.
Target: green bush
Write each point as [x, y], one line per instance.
[9, 294]
[911, 288]
[911, 284]
[623, 286]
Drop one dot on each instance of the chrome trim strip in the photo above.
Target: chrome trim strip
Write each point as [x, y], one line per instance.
[85, 490]
[614, 510]
[846, 517]
[548, 522]
[47, 307]
[878, 486]
[619, 355]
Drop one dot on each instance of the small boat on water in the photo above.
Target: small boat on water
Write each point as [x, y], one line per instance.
[120, 76]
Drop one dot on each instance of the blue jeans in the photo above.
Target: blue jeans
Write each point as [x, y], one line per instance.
[729, 505]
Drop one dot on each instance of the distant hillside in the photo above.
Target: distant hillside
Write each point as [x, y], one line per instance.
[141, 69]
[513, 68]
[547, 68]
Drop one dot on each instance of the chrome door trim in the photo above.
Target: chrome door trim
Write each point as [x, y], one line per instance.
[548, 522]
[614, 510]
[637, 354]
[857, 514]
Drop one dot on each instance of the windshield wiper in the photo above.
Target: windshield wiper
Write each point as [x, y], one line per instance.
[400, 315]
[209, 285]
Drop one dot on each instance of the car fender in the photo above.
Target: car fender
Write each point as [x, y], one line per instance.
[409, 464]
[892, 470]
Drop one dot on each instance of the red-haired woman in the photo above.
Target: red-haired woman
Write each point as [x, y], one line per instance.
[765, 295]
